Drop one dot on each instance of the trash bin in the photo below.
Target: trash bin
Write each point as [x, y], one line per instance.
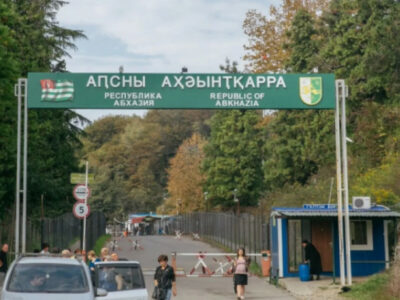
[304, 272]
[265, 262]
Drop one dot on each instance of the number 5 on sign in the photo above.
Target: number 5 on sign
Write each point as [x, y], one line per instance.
[81, 210]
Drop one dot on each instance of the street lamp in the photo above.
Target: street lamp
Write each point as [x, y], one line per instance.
[205, 200]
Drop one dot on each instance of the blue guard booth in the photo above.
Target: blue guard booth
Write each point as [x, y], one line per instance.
[372, 232]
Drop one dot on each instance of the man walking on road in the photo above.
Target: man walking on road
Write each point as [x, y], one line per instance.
[164, 278]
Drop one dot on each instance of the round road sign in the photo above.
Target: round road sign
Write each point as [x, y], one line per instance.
[81, 192]
[81, 210]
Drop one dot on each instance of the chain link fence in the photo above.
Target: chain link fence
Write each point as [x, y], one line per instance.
[228, 230]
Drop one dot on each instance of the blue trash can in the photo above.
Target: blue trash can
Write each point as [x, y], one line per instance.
[304, 272]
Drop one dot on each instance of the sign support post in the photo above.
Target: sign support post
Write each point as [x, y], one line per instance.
[18, 93]
[345, 183]
[25, 176]
[339, 186]
[342, 184]
[21, 91]
[84, 219]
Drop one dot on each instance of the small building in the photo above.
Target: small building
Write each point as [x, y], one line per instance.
[372, 231]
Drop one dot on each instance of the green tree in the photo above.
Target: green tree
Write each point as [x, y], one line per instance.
[298, 143]
[8, 77]
[233, 158]
[31, 40]
[361, 45]
[303, 43]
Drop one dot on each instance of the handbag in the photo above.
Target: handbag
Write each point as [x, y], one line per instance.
[159, 293]
[155, 293]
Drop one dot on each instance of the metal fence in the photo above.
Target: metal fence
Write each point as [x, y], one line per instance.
[62, 231]
[229, 230]
[7, 233]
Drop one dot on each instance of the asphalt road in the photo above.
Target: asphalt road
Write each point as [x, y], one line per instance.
[193, 288]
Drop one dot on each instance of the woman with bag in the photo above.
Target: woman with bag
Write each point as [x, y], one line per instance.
[240, 269]
[164, 280]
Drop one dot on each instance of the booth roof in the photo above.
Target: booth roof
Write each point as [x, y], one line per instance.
[377, 211]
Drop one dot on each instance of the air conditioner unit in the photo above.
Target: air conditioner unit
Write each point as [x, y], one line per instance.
[361, 202]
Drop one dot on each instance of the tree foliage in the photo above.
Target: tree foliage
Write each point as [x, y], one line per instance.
[31, 40]
[359, 42]
[233, 158]
[268, 35]
[130, 157]
[185, 179]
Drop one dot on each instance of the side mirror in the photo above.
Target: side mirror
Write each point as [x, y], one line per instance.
[101, 292]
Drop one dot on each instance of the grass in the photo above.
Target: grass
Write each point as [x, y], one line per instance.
[101, 242]
[255, 269]
[376, 287]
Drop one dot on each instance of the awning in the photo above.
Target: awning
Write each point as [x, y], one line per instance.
[377, 211]
[137, 220]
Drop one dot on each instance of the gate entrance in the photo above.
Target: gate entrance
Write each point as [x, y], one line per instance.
[187, 91]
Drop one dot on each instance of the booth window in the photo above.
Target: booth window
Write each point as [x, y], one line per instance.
[361, 234]
[294, 243]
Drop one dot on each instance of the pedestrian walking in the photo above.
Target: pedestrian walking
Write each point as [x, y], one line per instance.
[240, 270]
[164, 280]
[3, 262]
[312, 257]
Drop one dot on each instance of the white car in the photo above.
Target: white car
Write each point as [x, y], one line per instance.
[49, 278]
[123, 280]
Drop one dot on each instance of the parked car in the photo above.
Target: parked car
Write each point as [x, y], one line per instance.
[122, 280]
[49, 278]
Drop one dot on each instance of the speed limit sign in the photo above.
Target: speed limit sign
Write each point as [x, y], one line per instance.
[81, 210]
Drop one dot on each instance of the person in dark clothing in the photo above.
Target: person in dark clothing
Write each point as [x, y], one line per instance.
[3, 263]
[164, 278]
[3, 259]
[312, 257]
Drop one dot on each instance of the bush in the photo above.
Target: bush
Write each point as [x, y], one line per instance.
[101, 242]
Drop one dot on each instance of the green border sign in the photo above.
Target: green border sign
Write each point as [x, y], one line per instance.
[181, 91]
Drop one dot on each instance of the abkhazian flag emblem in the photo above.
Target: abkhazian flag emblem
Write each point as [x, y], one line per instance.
[57, 90]
[311, 90]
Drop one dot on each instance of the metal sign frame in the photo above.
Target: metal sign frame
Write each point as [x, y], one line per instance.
[340, 93]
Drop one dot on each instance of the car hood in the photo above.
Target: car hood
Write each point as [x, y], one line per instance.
[45, 296]
[138, 294]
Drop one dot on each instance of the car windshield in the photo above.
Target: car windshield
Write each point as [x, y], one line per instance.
[48, 278]
[120, 278]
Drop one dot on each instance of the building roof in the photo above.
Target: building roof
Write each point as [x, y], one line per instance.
[329, 210]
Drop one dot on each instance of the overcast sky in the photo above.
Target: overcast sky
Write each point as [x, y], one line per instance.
[156, 36]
